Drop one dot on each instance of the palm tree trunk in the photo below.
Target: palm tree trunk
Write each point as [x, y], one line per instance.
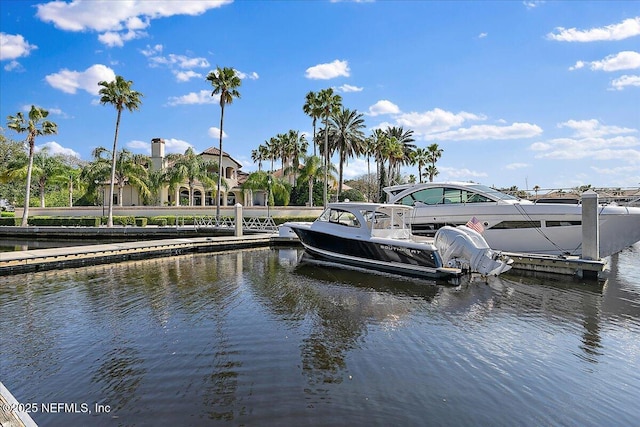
[220, 161]
[310, 192]
[27, 194]
[326, 159]
[70, 192]
[113, 171]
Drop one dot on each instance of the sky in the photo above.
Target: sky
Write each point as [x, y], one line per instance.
[516, 93]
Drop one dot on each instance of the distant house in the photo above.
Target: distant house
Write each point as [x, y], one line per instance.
[179, 196]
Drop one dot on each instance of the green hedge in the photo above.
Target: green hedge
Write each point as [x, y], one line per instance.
[6, 221]
[5, 214]
[46, 221]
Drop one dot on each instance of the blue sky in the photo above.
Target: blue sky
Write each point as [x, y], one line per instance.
[515, 93]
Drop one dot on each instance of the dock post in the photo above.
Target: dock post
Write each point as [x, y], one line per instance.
[238, 210]
[590, 227]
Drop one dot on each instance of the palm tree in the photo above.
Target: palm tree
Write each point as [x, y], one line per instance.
[34, 126]
[329, 104]
[311, 171]
[225, 82]
[349, 137]
[191, 168]
[313, 109]
[47, 169]
[405, 138]
[296, 147]
[130, 169]
[434, 153]
[118, 93]
[432, 172]
[420, 157]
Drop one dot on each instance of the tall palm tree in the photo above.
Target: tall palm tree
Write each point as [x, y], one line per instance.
[35, 125]
[225, 82]
[296, 147]
[191, 168]
[349, 137]
[330, 104]
[434, 153]
[421, 158]
[118, 93]
[405, 138]
[432, 172]
[313, 109]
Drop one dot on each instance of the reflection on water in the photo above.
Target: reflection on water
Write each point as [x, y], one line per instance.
[264, 337]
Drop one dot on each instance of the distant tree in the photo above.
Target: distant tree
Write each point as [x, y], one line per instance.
[34, 125]
[349, 137]
[434, 154]
[420, 158]
[351, 195]
[225, 82]
[118, 93]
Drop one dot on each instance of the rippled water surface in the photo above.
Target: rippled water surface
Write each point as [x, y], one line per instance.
[258, 338]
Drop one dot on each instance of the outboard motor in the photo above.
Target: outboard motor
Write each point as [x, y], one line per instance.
[464, 248]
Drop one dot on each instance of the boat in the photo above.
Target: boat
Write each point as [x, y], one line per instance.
[378, 236]
[511, 224]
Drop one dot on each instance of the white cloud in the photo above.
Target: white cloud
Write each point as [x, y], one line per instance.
[185, 76]
[117, 25]
[55, 149]
[625, 29]
[328, 71]
[532, 4]
[13, 66]
[459, 173]
[436, 120]
[624, 81]
[383, 107]
[355, 168]
[70, 81]
[214, 133]
[591, 140]
[627, 60]
[514, 166]
[483, 132]
[14, 46]
[349, 88]
[593, 128]
[202, 97]
[179, 61]
[250, 76]
[482, 35]
[172, 145]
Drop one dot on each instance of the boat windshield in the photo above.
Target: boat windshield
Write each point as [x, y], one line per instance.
[449, 195]
[388, 222]
[499, 195]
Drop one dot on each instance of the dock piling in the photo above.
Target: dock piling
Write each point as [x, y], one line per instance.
[590, 227]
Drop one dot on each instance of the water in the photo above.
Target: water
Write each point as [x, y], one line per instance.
[257, 338]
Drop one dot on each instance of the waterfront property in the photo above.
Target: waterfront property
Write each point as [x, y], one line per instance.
[202, 196]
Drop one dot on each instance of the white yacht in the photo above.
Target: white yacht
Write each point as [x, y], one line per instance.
[511, 224]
